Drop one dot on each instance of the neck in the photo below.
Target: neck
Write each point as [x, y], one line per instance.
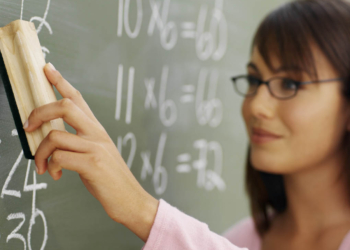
[318, 197]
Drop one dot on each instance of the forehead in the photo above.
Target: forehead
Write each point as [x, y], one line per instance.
[322, 65]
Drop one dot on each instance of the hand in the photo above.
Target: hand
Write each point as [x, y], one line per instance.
[92, 154]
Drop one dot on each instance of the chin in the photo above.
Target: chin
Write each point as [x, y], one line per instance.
[270, 164]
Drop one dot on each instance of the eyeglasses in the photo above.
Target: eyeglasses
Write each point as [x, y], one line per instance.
[279, 87]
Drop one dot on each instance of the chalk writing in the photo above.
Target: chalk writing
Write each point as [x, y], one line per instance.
[167, 107]
[212, 43]
[167, 30]
[34, 212]
[123, 18]
[208, 111]
[122, 142]
[206, 178]
[14, 234]
[160, 174]
[129, 96]
[210, 40]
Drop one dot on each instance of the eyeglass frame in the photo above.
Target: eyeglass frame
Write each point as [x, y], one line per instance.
[298, 84]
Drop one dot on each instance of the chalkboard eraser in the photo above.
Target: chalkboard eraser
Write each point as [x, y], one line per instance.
[22, 72]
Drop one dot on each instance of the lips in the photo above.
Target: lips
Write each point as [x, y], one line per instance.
[264, 133]
[261, 136]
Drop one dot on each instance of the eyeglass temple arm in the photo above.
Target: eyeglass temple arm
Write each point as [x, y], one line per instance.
[327, 80]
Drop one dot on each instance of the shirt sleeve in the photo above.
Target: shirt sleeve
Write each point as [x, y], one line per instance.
[175, 230]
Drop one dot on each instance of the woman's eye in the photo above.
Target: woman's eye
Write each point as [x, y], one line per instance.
[288, 84]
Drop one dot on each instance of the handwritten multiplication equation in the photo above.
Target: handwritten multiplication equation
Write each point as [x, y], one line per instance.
[210, 40]
[208, 177]
[208, 108]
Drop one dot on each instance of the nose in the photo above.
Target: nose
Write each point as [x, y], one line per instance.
[261, 104]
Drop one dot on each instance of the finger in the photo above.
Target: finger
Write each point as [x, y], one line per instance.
[55, 166]
[64, 108]
[67, 90]
[77, 162]
[63, 141]
[55, 172]
[59, 160]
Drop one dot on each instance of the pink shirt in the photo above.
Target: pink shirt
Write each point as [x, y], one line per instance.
[175, 230]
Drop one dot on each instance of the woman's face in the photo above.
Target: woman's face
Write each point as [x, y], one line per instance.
[311, 125]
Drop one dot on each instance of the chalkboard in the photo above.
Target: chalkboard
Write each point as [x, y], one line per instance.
[157, 76]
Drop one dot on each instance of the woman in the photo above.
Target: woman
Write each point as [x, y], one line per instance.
[297, 115]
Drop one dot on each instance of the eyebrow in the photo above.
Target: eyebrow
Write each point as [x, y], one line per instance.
[280, 69]
[253, 66]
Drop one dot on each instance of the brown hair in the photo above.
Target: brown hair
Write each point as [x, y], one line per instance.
[288, 34]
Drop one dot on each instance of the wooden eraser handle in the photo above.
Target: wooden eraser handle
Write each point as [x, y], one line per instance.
[24, 61]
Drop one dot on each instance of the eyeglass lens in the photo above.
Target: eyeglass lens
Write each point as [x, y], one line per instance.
[280, 87]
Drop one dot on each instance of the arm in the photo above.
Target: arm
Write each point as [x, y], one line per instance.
[141, 219]
[92, 153]
[174, 230]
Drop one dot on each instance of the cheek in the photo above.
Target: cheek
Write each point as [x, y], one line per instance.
[245, 112]
[313, 124]
[315, 138]
[291, 152]
[312, 133]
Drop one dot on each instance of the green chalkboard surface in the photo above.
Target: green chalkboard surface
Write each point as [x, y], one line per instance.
[157, 76]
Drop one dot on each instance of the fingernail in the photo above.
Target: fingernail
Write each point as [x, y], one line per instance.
[37, 170]
[26, 124]
[52, 67]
